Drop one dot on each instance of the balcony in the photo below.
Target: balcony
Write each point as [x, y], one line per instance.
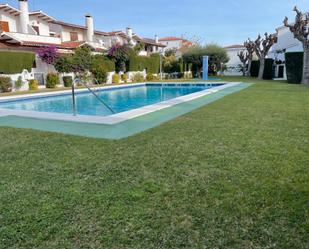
[13, 37]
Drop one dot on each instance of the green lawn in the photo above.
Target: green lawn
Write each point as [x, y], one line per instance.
[232, 174]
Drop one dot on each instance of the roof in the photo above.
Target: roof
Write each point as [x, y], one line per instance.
[71, 25]
[41, 14]
[10, 9]
[152, 42]
[63, 45]
[114, 33]
[13, 11]
[171, 38]
[235, 46]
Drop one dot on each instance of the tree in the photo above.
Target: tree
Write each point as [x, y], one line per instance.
[64, 64]
[170, 52]
[217, 57]
[194, 56]
[262, 47]
[120, 54]
[244, 58]
[301, 31]
[82, 60]
[250, 46]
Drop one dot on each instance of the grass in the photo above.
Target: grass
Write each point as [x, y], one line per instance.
[233, 174]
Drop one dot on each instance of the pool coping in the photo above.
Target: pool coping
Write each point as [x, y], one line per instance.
[111, 119]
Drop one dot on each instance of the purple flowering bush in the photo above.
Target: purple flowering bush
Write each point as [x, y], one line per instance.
[48, 54]
[120, 54]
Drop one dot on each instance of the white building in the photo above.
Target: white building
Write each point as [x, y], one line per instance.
[285, 43]
[234, 65]
[179, 44]
[23, 30]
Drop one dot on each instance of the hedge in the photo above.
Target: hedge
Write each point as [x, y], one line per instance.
[103, 63]
[294, 66]
[268, 70]
[255, 66]
[139, 63]
[15, 62]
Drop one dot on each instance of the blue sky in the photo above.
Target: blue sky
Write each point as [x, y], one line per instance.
[222, 21]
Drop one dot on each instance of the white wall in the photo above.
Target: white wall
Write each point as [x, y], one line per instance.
[172, 44]
[13, 20]
[233, 67]
[43, 25]
[233, 55]
[286, 42]
[65, 35]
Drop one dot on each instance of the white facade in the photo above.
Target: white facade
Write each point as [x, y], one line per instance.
[234, 65]
[24, 30]
[172, 44]
[12, 21]
[285, 43]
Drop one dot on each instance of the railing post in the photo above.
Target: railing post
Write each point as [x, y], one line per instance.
[73, 98]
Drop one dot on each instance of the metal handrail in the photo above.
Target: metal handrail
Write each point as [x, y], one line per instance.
[76, 80]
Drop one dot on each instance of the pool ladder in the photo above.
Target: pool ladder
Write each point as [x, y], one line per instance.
[78, 80]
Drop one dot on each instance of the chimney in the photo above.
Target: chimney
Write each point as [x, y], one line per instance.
[90, 28]
[129, 32]
[24, 16]
[157, 39]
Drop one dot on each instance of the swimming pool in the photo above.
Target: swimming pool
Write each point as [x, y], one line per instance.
[118, 99]
[151, 108]
[124, 101]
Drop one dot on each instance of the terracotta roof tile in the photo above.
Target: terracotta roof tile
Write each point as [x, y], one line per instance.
[235, 46]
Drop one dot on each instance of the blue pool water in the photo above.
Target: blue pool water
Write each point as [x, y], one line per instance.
[120, 100]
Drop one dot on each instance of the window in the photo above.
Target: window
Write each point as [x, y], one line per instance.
[4, 26]
[74, 36]
[37, 29]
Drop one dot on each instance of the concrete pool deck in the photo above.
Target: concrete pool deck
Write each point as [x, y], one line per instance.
[120, 128]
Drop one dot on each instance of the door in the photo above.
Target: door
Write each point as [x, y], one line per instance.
[281, 72]
[4, 26]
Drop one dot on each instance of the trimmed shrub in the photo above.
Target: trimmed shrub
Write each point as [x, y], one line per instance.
[52, 80]
[124, 78]
[138, 77]
[139, 63]
[149, 77]
[15, 62]
[33, 85]
[268, 70]
[67, 81]
[5, 84]
[18, 83]
[255, 67]
[294, 66]
[115, 78]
